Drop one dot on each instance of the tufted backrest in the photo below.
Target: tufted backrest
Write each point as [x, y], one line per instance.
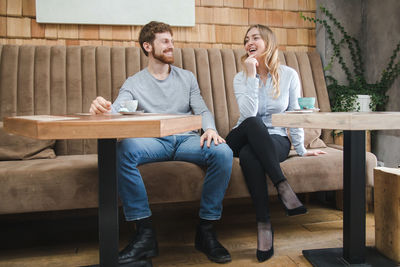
[65, 79]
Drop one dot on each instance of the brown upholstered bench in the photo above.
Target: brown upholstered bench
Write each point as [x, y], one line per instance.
[64, 80]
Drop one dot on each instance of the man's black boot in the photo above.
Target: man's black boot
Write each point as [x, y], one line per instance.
[144, 245]
[206, 241]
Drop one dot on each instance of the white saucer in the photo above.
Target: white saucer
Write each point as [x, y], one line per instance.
[303, 110]
[132, 113]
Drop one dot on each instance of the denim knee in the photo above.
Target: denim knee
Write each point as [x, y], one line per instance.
[126, 153]
[221, 153]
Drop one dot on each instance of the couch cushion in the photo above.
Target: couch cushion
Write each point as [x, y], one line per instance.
[315, 173]
[180, 181]
[13, 147]
[312, 138]
[303, 173]
[71, 182]
[65, 182]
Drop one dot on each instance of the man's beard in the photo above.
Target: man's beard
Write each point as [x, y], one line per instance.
[163, 58]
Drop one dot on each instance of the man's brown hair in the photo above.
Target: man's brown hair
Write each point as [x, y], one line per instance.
[148, 32]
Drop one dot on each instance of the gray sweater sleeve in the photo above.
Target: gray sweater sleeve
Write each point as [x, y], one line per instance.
[124, 94]
[199, 107]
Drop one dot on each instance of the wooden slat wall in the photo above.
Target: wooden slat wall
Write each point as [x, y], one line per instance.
[219, 24]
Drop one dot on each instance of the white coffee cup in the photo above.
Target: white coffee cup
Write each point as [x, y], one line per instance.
[130, 105]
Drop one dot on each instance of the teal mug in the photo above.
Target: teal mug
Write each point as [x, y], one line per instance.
[306, 102]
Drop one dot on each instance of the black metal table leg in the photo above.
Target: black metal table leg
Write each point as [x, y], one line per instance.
[108, 203]
[354, 252]
[354, 197]
[108, 207]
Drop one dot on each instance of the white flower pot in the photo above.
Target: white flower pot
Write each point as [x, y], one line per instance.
[363, 101]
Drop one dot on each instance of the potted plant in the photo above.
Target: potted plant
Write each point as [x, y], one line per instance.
[344, 97]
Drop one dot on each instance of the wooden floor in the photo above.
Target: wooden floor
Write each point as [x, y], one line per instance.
[69, 238]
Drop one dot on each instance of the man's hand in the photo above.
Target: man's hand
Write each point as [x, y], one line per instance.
[314, 153]
[100, 106]
[210, 135]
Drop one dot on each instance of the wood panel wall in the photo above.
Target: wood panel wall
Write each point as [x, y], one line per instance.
[219, 24]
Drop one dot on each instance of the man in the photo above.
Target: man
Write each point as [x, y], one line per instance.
[163, 88]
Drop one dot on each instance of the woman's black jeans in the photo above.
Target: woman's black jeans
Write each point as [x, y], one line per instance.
[259, 153]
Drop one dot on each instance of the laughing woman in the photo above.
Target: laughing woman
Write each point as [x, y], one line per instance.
[265, 87]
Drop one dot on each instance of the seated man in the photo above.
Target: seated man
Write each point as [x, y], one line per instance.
[164, 88]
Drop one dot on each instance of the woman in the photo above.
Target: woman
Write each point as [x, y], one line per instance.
[265, 87]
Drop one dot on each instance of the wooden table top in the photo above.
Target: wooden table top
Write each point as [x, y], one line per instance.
[85, 126]
[339, 120]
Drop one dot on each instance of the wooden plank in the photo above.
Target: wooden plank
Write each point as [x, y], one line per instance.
[204, 15]
[223, 34]
[239, 16]
[274, 18]
[14, 7]
[207, 33]
[89, 32]
[290, 19]
[68, 31]
[233, 3]
[51, 31]
[291, 5]
[37, 30]
[339, 120]
[179, 125]
[387, 212]
[98, 126]
[18, 27]
[121, 33]
[212, 2]
[3, 26]
[281, 36]
[257, 16]
[29, 8]
[221, 15]
[22, 127]
[3, 7]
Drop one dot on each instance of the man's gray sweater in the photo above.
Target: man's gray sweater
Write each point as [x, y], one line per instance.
[179, 93]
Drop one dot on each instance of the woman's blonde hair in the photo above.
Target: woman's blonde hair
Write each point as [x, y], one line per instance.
[270, 55]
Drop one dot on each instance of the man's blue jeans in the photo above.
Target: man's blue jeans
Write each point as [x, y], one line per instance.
[133, 152]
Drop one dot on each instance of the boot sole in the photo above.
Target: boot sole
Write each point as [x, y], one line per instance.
[226, 260]
[144, 255]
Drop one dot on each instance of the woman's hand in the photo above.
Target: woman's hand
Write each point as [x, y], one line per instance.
[251, 64]
[314, 153]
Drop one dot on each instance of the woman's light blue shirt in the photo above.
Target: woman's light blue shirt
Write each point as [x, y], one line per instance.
[257, 99]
